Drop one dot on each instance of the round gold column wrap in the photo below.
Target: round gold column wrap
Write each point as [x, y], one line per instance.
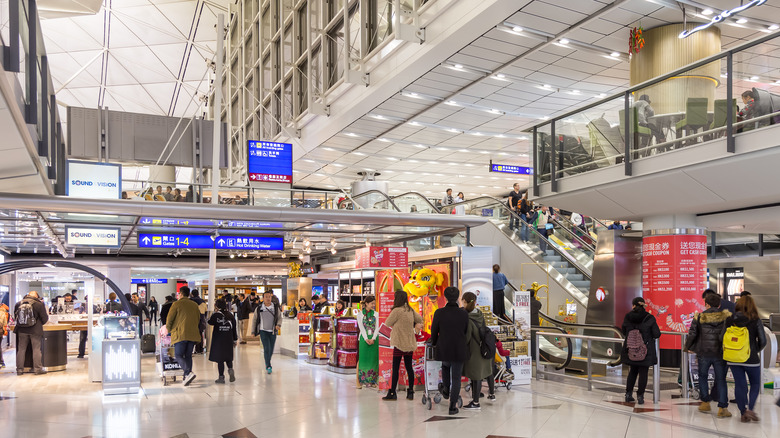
[665, 52]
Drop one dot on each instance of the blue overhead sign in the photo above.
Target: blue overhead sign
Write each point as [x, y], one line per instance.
[173, 222]
[252, 224]
[173, 241]
[505, 168]
[149, 281]
[269, 162]
[250, 243]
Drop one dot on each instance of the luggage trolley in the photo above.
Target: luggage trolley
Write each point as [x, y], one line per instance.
[167, 367]
[693, 377]
[432, 369]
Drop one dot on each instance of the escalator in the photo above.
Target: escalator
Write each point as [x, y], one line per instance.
[573, 354]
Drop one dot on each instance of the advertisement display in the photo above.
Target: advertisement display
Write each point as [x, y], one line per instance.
[381, 257]
[521, 364]
[733, 282]
[674, 272]
[93, 236]
[269, 162]
[388, 281]
[477, 273]
[94, 180]
[426, 289]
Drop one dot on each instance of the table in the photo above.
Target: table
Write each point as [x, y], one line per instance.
[667, 122]
[55, 348]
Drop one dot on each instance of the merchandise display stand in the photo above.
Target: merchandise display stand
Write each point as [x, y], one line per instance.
[344, 345]
[304, 327]
[320, 333]
[355, 284]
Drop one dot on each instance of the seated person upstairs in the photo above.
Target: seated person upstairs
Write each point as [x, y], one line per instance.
[747, 111]
[643, 112]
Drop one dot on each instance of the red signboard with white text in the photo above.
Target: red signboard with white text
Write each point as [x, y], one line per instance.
[674, 272]
[382, 257]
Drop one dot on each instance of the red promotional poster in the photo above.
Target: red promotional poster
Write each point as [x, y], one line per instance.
[674, 272]
[381, 257]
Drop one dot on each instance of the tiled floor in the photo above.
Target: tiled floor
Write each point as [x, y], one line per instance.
[300, 400]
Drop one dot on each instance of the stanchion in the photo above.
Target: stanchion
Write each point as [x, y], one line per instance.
[657, 373]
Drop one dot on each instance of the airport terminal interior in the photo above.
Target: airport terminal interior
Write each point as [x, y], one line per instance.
[274, 187]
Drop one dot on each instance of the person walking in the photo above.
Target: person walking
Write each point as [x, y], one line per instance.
[448, 336]
[202, 307]
[30, 315]
[705, 338]
[244, 312]
[267, 323]
[182, 323]
[368, 347]
[746, 328]
[223, 340]
[640, 331]
[499, 283]
[402, 319]
[476, 368]
[4, 317]
[154, 306]
[165, 308]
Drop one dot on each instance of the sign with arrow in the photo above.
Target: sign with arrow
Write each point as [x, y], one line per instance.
[250, 243]
[204, 241]
[173, 222]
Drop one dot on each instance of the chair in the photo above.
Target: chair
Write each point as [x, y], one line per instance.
[641, 134]
[721, 114]
[148, 197]
[695, 116]
[160, 198]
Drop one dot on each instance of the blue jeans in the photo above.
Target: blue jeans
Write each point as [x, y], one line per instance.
[542, 238]
[524, 228]
[183, 352]
[720, 380]
[269, 340]
[741, 386]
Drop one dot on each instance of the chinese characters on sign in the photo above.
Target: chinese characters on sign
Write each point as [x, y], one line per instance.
[269, 162]
[381, 257]
[674, 271]
[505, 168]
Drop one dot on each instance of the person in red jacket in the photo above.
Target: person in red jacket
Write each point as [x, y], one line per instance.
[419, 334]
[505, 354]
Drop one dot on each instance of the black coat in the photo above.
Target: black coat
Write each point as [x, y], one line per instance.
[755, 332]
[448, 333]
[41, 317]
[153, 306]
[244, 309]
[536, 306]
[164, 312]
[223, 336]
[705, 337]
[645, 322]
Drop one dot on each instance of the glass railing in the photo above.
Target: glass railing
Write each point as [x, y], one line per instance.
[722, 96]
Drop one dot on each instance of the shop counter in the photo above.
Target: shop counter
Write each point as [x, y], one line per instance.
[54, 346]
[290, 338]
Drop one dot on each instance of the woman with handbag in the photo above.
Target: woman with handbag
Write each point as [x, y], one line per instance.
[368, 348]
[402, 320]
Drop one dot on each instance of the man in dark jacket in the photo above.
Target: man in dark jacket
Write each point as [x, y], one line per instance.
[30, 316]
[448, 335]
[136, 311]
[705, 338]
[244, 311]
[725, 304]
[639, 319]
[166, 307]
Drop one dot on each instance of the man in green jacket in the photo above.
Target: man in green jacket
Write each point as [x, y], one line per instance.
[182, 323]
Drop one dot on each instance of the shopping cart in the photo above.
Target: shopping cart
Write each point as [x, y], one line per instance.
[693, 377]
[501, 374]
[433, 383]
[167, 366]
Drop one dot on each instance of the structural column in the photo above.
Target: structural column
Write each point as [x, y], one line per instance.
[674, 275]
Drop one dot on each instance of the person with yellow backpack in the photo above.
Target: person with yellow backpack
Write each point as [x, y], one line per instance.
[743, 341]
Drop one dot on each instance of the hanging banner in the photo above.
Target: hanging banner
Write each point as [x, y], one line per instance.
[388, 281]
[521, 359]
[674, 273]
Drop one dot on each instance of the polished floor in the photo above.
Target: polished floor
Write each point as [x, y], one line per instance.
[301, 400]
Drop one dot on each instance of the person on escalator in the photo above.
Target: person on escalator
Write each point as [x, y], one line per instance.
[540, 223]
[525, 210]
[514, 204]
[640, 330]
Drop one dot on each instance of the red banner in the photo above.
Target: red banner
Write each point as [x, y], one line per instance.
[382, 257]
[674, 273]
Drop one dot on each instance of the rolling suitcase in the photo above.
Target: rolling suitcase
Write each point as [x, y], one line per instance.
[147, 343]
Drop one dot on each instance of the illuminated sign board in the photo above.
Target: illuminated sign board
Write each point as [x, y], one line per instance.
[174, 222]
[506, 168]
[149, 281]
[269, 162]
[94, 180]
[93, 236]
[204, 241]
[250, 243]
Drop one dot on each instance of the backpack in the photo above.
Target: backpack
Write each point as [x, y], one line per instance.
[25, 314]
[636, 348]
[487, 342]
[736, 344]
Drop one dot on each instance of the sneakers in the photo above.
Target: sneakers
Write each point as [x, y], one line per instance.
[491, 397]
[232, 375]
[454, 411]
[629, 398]
[472, 406]
[220, 379]
[704, 407]
[640, 399]
[188, 379]
[39, 372]
[391, 395]
[723, 413]
[268, 370]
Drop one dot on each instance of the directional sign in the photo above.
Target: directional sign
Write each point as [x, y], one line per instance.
[173, 222]
[269, 162]
[93, 236]
[504, 168]
[250, 243]
[149, 281]
[252, 224]
[173, 241]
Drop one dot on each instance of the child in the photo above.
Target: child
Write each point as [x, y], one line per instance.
[223, 339]
[419, 334]
[505, 354]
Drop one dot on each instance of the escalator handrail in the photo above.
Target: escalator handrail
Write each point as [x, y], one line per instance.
[587, 245]
[428, 201]
[569, 349]
[369, 192]
[613, 328]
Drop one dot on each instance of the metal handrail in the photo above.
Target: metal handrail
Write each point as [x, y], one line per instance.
[369, 192]
[569, 354]
[425, 198]
[612, 328]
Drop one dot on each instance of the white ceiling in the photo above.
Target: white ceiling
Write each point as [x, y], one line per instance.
[154, 62]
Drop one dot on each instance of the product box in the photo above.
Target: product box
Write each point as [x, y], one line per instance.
[521, 348]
